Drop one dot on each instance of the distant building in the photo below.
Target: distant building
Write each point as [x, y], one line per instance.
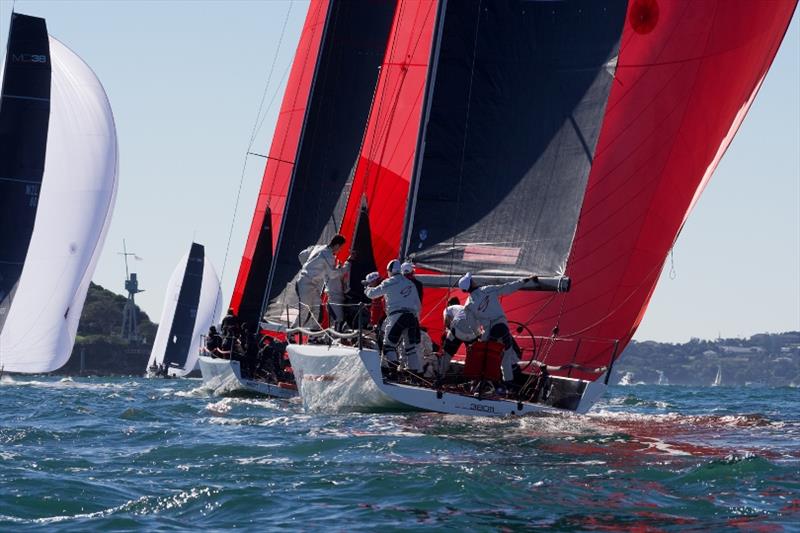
[741, 349]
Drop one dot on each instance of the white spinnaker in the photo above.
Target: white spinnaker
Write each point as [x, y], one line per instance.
[208, 312]
[75, 204]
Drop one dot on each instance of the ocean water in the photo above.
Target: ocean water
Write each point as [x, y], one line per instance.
[94, 454]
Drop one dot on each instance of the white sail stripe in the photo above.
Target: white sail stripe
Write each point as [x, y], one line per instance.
[18, 97]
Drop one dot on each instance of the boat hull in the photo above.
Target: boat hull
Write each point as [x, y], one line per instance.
[333, 379]
[451, 403]
[224, 377]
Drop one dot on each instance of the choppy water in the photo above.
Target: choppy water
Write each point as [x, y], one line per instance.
[100, 454]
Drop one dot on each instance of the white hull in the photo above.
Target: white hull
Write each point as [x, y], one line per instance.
[445, 402]
[332, 378]
[223, 376]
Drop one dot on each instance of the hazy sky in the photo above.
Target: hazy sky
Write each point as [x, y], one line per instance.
[185, 80]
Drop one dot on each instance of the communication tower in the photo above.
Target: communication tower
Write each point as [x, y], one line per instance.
[130, 329]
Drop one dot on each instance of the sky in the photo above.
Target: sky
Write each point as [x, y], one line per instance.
[185, 80]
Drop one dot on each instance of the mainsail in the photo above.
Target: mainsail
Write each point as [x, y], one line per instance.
[58, 181]
[336, 67]
[192, 303]
[556, 138]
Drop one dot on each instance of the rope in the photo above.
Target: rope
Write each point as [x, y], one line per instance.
[253, 134]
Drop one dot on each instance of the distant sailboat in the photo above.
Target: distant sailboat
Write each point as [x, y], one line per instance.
[192, 304]
[58, 182]
[718, 379]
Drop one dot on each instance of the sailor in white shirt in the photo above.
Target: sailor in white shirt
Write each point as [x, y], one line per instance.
[402, 309]
[484, 305]
[319, 267]
[461, 327]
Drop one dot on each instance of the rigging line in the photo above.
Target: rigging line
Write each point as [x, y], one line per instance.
[256, 125]
[250, 146]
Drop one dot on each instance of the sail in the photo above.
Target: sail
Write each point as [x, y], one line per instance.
[556, 138]
[24, 119]
[74, 206]
[516, 106]
[192, 303]
[350, 54]
[278, 171]
[385, 161]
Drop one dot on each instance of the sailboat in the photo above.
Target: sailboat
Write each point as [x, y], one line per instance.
[718, 378]
[564, 140]
[58, 182]
[309, 167]
[192, 303]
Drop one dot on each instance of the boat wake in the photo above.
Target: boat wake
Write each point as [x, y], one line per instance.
[345, 388]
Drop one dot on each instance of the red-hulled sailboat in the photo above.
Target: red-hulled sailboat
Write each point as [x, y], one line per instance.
[566, 140]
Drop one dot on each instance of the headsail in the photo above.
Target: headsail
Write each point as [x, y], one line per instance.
[74, 207]
[192, 303]
[516, 104]
[338, 106]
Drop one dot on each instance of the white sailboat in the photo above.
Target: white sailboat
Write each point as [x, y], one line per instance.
[192, 303]
[718, 378]
[58, 182]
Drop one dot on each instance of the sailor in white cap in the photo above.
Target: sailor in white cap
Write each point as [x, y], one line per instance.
[402, 309]
[407, 269]
[484, 304]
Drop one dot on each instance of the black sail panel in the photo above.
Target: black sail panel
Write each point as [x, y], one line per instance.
[24, 119]
[180, 334]
[362, 258]
[257, 276]
[351, 53]
[517, 103]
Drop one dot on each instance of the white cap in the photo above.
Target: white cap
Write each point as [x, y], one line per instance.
[372, 277]
[393, 267]
[407, 268]
[465, 282]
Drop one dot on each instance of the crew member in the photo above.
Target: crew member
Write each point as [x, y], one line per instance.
[484, 304]
[407, 270]
[230, 324]
[319, 267]
[337, 288]
[377, 309]
[213, 342]
[461, 326]
[402, 308]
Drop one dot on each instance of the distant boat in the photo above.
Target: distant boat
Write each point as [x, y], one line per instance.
[58, 182]
[718, 379]
[192, 303]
